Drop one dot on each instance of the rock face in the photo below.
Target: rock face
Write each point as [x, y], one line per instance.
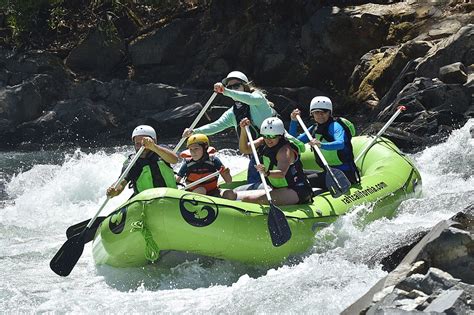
[437, 275]
[368, 58]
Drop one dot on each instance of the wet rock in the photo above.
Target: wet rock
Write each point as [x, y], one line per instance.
[407, 288]
[457, 48]
[436, 281]
[448, 302]
[432, 107]
[20, 103]
[22, 66]
[179, 118]
[391, 261]
[99, 52]
[453, 74]
[163, 53]
[381, 68]
[76, 120]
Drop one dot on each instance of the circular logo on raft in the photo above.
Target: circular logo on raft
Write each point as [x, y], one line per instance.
[117, 220]
[198, 210]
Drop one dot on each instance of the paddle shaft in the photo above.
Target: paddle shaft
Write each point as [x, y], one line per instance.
[257, 161]
[321, 156]
[389, 122]
[199, 116]
[117, 183]
[201, 180]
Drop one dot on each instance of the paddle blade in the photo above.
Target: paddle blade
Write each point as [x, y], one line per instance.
[79, 227]
[340, 187]
[67, 256]
[278, 227]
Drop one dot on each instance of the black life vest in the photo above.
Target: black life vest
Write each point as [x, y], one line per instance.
[149, 172]
[294, 176]
[241, 111]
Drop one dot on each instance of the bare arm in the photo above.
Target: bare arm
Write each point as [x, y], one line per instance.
[225, 173]
[166, 154]
[285, 157]
[244, 145]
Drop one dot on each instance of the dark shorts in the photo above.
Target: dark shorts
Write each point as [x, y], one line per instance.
[253, 176]
[214, 193]
[305, 194]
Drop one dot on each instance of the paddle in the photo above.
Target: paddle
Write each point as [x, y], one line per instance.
[90, 233]
[278, 226]
[68, 255]
[203, 110]
[79, 227]
[201, 180]
[336, 181]
[389, 122]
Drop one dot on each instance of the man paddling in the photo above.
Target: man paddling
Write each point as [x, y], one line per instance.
[152, 169]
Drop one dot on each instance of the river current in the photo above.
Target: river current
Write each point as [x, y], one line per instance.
[42, 193]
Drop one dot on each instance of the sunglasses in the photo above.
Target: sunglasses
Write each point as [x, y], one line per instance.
[316, 111]
[235, 86]
[269, 136]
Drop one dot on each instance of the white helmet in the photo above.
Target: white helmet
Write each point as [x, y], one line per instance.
[235, 75]
[320, 102]
[272, 126]
[144, 130]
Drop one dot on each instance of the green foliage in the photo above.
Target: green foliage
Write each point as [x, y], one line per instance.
[26, 17]
[39, 23]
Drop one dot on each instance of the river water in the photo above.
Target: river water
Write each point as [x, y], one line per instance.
[42, 193]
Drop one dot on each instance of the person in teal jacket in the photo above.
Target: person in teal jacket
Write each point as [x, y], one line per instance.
[152, 169]
[250, 103]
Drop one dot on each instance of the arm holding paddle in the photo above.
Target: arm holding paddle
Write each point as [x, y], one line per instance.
[188, 131]
[244, 144]
[68, 255]
[166, 154]
[336, 181]
[278, 226]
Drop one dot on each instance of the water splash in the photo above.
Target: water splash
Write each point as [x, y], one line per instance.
[342, 265]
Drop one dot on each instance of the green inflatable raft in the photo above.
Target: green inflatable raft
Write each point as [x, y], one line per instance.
[166, 219]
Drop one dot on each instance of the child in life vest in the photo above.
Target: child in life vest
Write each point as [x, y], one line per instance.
[202, 164]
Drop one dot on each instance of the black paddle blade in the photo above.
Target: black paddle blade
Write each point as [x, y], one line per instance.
[79, 227]
[67, 256]
[278, 227]
[333, 187]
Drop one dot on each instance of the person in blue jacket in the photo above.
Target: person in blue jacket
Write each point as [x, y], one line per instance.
[250, 102]
[333, 136]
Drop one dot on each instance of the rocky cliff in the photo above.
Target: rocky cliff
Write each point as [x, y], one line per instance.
[368, 57]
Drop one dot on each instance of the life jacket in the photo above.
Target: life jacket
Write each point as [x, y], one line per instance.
[201, 168]
[150, 172]
[336, 157]
[241, 111]
[294, 176]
